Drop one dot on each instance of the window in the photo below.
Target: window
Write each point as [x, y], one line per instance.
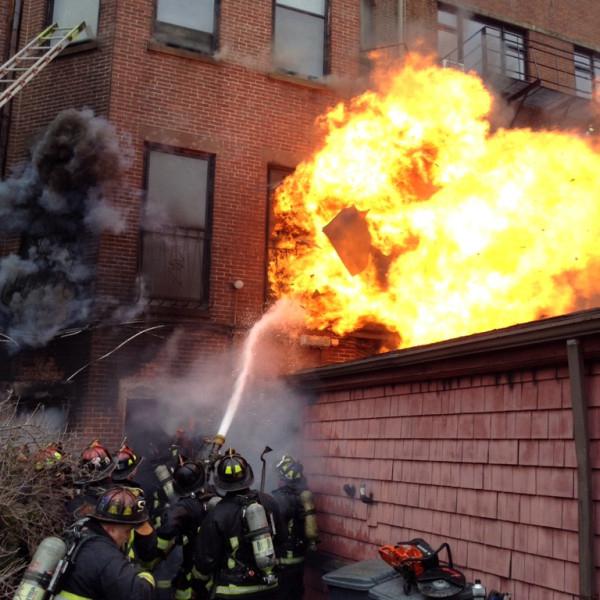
[68, 13]
[382, 24]
[300, 37]
[490, 48]
[175, 227]
[187, 24]
[275, 176]
[587, 72]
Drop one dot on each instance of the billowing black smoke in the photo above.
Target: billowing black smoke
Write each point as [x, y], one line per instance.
[55, 207]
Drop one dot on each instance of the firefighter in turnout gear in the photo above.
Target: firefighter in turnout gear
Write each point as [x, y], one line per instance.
[298, 512]
[100, 570]
[240, 537]
[95, 468]
[180, 524]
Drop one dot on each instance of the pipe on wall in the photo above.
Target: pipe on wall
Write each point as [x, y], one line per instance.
[584, 475]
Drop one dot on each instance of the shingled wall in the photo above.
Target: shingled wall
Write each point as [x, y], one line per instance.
[485, 461]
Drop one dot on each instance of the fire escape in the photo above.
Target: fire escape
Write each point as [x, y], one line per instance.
[541, 81]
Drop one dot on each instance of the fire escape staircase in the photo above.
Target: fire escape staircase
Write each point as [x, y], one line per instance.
[524, 73]
[19, 70]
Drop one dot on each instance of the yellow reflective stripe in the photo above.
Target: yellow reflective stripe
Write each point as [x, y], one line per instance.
[197, 575]
[183, 594]
[163, 584]
[242, 590]
[234, 543]
[291, 560]
[164, 544]
[71, 596]
[148, 577]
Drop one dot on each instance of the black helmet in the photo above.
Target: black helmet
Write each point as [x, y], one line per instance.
[126, 463]
[121, 505]
[189, 476]
[289, 469]
[233, 473]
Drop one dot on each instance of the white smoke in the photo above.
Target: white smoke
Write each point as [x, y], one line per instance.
[270, 411]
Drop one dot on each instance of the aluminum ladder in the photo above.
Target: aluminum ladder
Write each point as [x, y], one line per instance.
[19, 70]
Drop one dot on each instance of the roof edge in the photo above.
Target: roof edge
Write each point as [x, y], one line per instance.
[534, 333]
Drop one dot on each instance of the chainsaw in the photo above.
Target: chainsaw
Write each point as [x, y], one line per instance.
[421, 569]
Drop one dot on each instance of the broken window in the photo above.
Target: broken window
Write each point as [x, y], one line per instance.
[300, 37]
[69, 13]
[187, 24]
[175, 227]
[587, 72]
[478, 44]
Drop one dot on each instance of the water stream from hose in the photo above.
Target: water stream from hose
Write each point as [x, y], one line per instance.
[284, 314]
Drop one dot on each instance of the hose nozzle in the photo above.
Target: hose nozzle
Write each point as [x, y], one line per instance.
[218, 442]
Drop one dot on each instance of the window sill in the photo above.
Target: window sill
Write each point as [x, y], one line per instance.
[79, 47]
[162, 48]
[315, 84]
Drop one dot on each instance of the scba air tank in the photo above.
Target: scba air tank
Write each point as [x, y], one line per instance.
[40, 570]
[165, 478]
[311, 531]
[259, 534]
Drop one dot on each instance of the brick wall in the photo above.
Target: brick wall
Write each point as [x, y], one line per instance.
[577, 21]
[484, 462]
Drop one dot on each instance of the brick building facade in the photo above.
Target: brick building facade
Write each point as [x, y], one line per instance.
[225, 102]
[235, 93]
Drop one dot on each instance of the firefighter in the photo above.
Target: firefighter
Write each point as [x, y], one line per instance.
[95, 468]
[297, 510]
[179, 526]
[237, 545]
[133, 470]
[100, 569]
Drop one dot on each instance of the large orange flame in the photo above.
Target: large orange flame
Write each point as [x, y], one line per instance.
[470, 229]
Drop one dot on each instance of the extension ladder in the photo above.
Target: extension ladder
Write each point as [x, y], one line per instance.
[19, 70]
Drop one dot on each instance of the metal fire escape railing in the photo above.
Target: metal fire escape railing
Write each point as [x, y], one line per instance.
[532, 72]
[493, 52]
[20, 69]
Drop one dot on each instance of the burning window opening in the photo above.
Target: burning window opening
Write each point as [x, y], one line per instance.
[418, 217]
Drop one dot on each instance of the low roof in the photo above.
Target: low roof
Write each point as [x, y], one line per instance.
[525, 345]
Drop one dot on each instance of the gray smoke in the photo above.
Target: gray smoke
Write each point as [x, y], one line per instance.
[56, 206]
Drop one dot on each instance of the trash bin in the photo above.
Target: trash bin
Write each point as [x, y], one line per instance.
[354, 581]
[393, 589]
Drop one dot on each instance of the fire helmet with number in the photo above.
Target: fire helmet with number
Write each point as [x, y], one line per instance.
[121, 505]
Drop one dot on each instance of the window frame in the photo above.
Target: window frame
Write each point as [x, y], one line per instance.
[214, 45]
[502, 26]
[326, 40]
[77, 43]
[193, 303]
[270, 221]
[594, 59]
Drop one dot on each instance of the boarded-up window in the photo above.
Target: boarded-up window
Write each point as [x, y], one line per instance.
[68, 13]
[300, 37]
[187, 23]
[174, 240]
